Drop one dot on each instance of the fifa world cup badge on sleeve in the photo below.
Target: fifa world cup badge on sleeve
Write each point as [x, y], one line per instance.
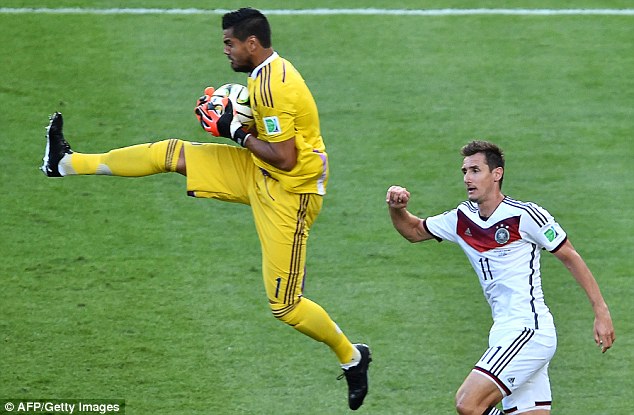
[551, 233]
[272, 125]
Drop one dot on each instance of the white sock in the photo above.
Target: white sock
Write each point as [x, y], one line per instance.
[356, 358]
[65, 167]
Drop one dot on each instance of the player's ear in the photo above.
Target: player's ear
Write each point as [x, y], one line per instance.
[498, 173]
[252, 43]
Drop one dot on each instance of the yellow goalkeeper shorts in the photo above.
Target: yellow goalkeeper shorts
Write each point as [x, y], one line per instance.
[282, 219]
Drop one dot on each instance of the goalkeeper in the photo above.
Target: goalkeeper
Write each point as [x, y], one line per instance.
[280, 169]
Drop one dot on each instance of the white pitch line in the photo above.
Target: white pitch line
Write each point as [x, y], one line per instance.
[320, 12]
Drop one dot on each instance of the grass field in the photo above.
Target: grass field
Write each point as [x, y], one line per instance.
[128, 289]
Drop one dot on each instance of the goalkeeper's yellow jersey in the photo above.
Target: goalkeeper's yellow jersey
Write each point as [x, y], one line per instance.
[283, 108]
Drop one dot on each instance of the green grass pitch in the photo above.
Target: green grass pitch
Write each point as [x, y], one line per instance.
[126, 288]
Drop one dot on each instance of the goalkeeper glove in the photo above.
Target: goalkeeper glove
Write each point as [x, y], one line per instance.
[206, 97]
[225, 125]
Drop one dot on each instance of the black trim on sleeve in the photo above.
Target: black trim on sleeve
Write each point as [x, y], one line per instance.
[429, 232]
[559, 246]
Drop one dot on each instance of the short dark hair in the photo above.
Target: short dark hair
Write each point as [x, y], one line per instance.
[493, 154]
[247, 22]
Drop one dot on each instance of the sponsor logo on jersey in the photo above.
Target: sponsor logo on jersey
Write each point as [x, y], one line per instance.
[511, 381]
[272, 125]
[551, 233]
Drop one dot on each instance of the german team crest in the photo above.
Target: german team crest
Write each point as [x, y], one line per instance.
[502, 236]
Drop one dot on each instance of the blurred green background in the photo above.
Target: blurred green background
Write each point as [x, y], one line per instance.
[126, 288]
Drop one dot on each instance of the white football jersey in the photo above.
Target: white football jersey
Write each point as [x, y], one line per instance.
[504, 251]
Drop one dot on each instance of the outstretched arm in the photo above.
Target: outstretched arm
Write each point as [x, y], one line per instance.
[409, 226]
[603, 329]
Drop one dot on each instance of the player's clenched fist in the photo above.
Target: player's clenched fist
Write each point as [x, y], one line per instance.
[397, 197]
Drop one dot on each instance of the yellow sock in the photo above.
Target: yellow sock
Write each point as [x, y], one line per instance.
[312, 320]
[134, 161]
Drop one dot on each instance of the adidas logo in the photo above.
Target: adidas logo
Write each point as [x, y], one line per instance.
[468, 232]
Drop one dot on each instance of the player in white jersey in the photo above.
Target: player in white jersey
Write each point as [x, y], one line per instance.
[503, 238]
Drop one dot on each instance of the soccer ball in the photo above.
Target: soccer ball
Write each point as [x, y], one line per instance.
[239, 96]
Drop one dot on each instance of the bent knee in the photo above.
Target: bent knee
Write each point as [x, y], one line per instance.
[464, 408]
[167, 154]
[467, 404]
[284, 312]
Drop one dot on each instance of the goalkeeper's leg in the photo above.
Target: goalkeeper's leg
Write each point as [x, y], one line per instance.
[312, 320]
[134, 161]
[283, 227]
